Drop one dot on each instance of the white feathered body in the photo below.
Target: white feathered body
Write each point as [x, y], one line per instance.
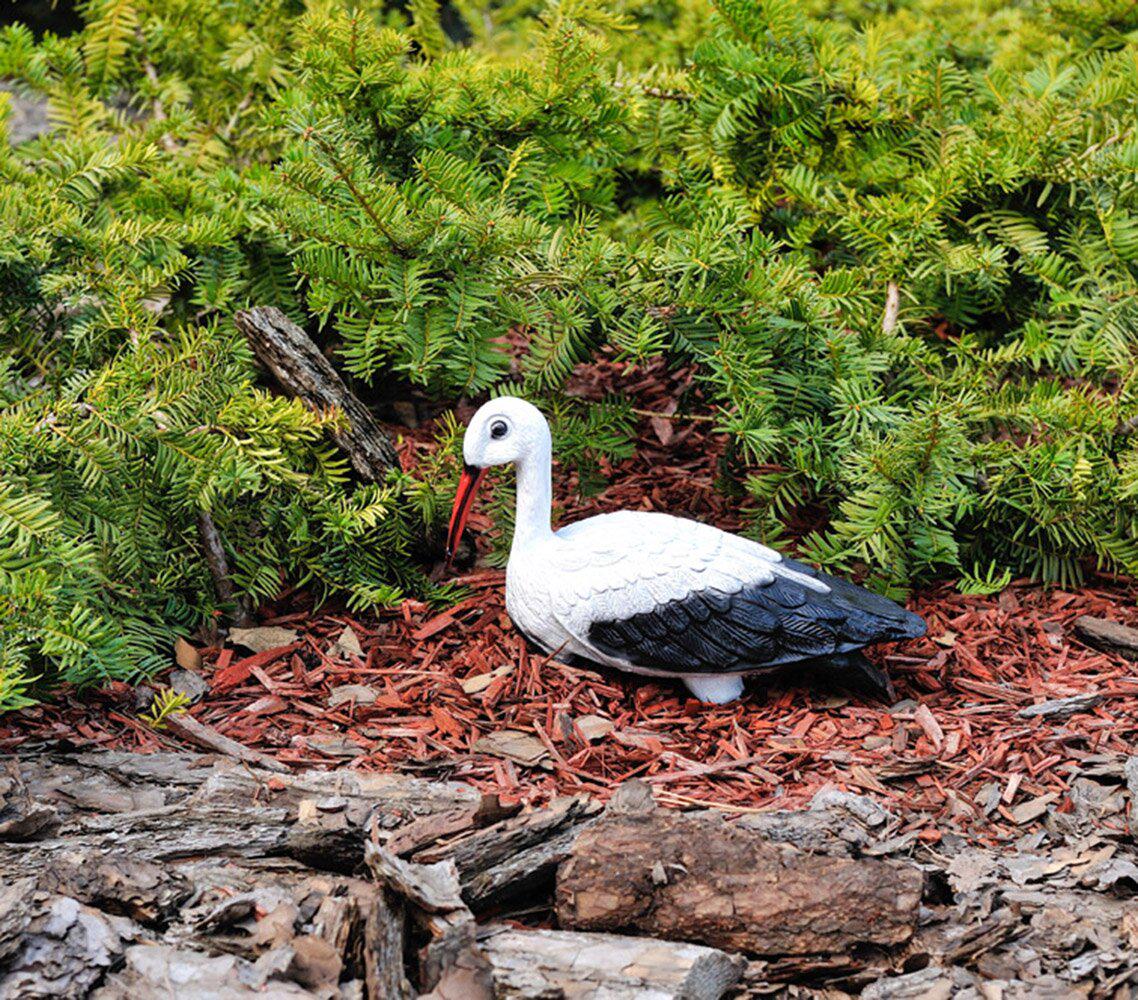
[615, 566]
[654, 594]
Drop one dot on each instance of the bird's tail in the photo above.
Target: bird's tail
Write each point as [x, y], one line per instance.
[857, 673]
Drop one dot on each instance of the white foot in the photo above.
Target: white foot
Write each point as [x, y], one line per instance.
[715, 688]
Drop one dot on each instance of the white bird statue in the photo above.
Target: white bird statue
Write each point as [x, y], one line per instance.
[659, 595]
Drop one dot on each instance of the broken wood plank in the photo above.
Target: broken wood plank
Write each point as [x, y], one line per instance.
[1108, 636]
[698, 878]
[302, 371]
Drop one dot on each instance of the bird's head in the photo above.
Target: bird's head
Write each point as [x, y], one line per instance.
[503, 430]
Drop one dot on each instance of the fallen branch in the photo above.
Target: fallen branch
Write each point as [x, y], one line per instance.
[208, 738]
[219, 569]
[302, 371]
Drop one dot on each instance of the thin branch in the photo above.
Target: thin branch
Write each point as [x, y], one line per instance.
[219, 569]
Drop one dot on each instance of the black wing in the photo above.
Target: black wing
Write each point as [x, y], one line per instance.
[762, 626]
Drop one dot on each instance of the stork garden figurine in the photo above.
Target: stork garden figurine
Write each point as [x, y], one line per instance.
[654, 594]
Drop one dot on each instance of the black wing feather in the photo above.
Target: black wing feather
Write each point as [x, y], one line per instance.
[768, 625]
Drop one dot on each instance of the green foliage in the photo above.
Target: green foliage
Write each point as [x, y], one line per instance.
[899, 240]
[823, 162]
[166, 703]
[433, 203]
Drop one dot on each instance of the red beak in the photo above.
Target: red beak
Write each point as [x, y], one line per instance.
[467, 487]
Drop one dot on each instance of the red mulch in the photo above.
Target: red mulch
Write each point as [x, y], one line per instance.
[932, 761]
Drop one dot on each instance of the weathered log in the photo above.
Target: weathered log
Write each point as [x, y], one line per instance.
[698, 878]
[538, 964]
[162, 807]
[1108, 636]
[464, 962]
[119, 884]
[302, 371]
[518, 857]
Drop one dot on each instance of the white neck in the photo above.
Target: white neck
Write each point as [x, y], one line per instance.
[535, 496]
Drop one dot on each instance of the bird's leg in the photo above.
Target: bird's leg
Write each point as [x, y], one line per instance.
[715, 688]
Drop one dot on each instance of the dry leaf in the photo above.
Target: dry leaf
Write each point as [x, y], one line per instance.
[509, 743]
[186, 656]
[1032, 809]
[663, 429]
[262, 638]
[472, 685]
[349, 643]
[594, 727]
[361, 694]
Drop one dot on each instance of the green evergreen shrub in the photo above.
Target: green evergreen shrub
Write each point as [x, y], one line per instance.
[899, 239]
[983, 167]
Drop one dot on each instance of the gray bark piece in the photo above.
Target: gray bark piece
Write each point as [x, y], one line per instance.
[837, 823]
[1060, 708]
[433, 888]
[159, 972]
[927, 984]
[53, 946]
[190, 684]
[1107, 635]
[302, 371]
[540, 964]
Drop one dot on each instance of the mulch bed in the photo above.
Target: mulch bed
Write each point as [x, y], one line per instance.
[954, 754]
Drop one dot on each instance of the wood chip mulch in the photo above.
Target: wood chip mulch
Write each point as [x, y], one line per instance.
[456, 694]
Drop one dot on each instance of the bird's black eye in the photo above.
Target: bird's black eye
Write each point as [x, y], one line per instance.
[499, 429]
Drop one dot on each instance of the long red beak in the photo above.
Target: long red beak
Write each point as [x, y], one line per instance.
[467, 487]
